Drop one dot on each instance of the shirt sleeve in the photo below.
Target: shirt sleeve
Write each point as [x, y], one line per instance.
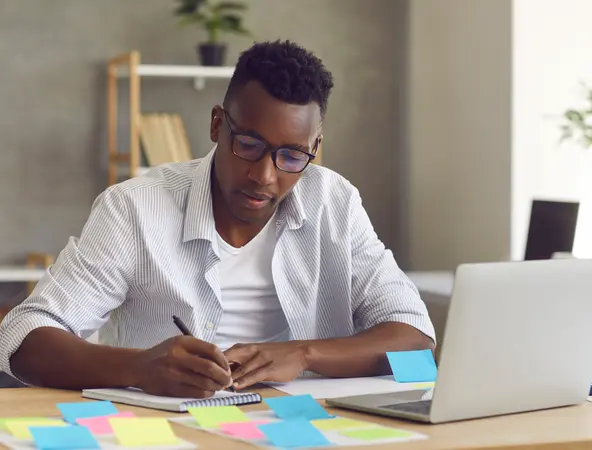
[381, 290]
[89, 279]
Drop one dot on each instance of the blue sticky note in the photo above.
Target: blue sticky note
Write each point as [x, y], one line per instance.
[415, 366]
[81, 410]
[297, 406]
[294, 433]
[63, 438]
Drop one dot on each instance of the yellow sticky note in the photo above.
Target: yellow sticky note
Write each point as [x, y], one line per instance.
[426, 385]
[3, 420]
[376, 434]
[140, 431]
[340, 423]
[20, 427]
[214, 416]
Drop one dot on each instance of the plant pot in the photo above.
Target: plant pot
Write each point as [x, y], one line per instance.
[212, 54]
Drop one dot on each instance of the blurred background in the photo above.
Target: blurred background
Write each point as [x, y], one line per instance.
[448, 115]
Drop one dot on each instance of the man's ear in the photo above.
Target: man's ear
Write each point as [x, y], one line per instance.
[216, 122]
[319, 142]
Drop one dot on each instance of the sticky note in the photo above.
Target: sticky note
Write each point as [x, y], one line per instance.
[293, 434]
[427, 385]
[101, 425]
[244, 430]
[3, 420]
[375, 434]
[80, 410]
[63, 438]
[213, 416]
[415, 366]
[297, 406]
[340, 423]
[138, 432]
[20, 428]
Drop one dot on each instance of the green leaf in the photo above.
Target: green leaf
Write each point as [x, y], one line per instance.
[232, 23]
[188, 7]
[574, 116]
[192, 18]
[224, 6]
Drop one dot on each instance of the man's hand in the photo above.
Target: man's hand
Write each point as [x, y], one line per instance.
[182, 366]
[281, 361]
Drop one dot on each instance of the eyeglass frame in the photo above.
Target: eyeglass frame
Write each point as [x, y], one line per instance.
[268, 147]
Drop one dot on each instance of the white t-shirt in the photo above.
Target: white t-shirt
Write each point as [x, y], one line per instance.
[252, 311]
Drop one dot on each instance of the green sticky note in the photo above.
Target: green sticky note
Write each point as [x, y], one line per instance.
[20, 427]
[214, 416]
[143, 431]
[3, 420]
[375, 434]
[340, 423]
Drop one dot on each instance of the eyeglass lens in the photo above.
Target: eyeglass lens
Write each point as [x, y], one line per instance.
[286, 159]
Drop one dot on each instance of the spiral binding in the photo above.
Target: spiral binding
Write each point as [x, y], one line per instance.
[241, 399]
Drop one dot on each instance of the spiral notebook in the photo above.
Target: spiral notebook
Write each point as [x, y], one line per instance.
[137, 397]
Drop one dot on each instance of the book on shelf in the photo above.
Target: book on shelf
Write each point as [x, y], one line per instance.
[164, 139]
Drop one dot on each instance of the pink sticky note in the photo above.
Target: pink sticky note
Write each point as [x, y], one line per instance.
[101, 425]
[244, 430]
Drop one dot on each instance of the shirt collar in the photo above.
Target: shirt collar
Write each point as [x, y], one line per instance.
[199, 215]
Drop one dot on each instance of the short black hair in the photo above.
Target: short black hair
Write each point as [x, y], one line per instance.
[286, 71]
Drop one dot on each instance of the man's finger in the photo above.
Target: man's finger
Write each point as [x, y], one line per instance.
[205, 367]
[254, 377]
[256, 362]
[201, 382]
[206, 350]
[241, 353]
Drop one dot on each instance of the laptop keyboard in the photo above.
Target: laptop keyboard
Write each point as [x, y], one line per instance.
[420, 407]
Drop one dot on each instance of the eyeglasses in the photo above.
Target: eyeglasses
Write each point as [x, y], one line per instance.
[253, 148]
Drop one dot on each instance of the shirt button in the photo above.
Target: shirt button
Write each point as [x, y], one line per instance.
[209, 325]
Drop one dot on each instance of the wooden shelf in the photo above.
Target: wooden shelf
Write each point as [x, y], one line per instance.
[129, 66]
[18, 274]
[199, 73]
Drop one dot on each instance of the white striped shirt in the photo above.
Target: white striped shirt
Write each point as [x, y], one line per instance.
[149, 251]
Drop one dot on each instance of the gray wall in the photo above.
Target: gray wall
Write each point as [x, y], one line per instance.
[52, 97]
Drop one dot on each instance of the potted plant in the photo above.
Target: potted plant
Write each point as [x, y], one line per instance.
[578, 123]
[216, 18]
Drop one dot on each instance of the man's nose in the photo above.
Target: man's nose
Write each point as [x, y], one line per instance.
[263, 172]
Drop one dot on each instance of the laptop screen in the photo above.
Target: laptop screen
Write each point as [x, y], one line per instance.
[552, 228]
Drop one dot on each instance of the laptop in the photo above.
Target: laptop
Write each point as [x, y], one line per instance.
[552, 228]
[517, 339]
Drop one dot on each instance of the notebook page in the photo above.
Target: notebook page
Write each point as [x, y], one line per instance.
[140, 396]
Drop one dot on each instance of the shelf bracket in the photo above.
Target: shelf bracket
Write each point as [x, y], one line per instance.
[199, 83]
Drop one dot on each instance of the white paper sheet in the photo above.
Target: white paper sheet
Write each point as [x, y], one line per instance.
[341, 387]
[333, 436]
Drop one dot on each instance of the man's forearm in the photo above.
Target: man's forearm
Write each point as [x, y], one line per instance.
[363, 354]
[54, 358]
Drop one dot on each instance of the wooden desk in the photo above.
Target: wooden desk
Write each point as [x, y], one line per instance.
[563, 428]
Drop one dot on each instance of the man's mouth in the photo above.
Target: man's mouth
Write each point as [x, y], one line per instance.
[256, 200]
[258, 196]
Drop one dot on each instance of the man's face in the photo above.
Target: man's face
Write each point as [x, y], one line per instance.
[254, 119]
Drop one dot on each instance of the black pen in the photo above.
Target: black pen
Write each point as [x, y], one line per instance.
[183, 328]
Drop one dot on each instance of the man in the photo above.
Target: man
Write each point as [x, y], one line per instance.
[271, 263]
